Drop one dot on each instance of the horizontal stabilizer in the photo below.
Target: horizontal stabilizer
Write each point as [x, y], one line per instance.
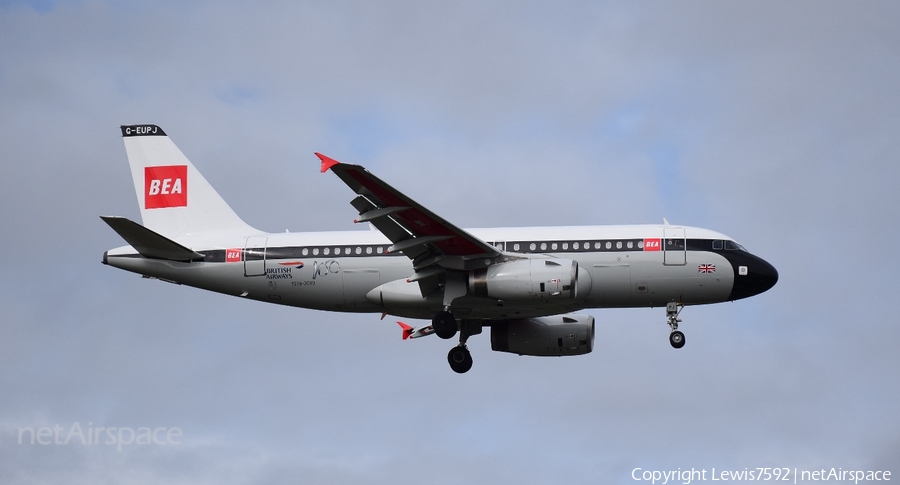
[148, 243]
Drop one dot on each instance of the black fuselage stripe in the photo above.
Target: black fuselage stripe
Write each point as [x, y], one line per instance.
[524, 247]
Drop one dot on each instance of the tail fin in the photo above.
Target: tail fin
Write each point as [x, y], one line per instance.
[174, 197]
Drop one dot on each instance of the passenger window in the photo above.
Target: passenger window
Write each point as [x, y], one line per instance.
[305, 251]
[358, 250]
[630, 244]
[618, 244]
[640, 244]
[368, 249]
[516, 247]
[553, 246]
[326, 251]
[533, 246]
[380, 249]
[543, 246]
[575, 246]
[315, 251]
[608, 245]
[597, 245]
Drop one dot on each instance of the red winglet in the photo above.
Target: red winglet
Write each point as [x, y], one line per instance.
[326, 162]
[407, 330]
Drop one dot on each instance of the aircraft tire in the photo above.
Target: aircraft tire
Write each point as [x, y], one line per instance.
[444, 325]
[460, 359]
[676, 338]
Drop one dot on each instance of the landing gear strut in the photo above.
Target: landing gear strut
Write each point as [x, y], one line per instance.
[459, 357]
[676, 338]
[445, 326]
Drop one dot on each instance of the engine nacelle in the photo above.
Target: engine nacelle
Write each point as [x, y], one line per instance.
[527, 280]
[544, 336]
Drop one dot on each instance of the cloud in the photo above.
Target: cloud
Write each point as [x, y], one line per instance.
[773, 123]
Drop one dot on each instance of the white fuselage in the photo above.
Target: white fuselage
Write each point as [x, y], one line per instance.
[336, 270]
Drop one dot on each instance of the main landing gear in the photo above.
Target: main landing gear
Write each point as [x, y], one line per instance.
[676, 338]
[446, 326]
[460, 359]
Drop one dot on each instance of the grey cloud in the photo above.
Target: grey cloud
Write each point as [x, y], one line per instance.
[773, 123]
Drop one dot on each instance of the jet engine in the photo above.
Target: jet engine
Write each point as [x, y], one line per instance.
[527, 280]
[544, 336]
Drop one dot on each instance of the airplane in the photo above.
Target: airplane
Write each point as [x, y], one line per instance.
[525, 283]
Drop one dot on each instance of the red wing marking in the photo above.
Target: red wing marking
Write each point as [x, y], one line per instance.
[407, 330]
[327, 162]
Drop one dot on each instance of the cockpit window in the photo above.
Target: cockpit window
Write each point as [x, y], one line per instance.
[734, 245]
[730, 245]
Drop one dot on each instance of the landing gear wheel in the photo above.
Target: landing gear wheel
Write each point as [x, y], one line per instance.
[676, 338]
[444, 325]
[460, 359]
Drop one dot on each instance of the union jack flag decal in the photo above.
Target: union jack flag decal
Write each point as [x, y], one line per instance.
[706, 268]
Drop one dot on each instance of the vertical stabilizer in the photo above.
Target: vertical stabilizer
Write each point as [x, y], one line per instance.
[174, 198]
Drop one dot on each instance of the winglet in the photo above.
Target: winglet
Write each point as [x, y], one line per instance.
[407, 330]
[326, 162]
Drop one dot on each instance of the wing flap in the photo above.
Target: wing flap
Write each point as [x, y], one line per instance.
[378, 213]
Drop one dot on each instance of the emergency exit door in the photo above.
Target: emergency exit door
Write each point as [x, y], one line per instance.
[255, 256]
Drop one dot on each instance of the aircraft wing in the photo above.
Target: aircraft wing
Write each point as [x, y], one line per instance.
[420, 234]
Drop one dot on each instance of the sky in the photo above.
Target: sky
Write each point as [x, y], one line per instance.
[773, 122]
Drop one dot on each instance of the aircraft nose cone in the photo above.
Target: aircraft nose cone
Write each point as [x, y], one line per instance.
[752, 276]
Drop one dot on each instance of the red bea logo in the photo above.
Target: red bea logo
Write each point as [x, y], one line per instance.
[232, 255]
[652, 244]
[165, 186]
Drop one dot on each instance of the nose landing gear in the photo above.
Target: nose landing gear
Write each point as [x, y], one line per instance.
[676, 338]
